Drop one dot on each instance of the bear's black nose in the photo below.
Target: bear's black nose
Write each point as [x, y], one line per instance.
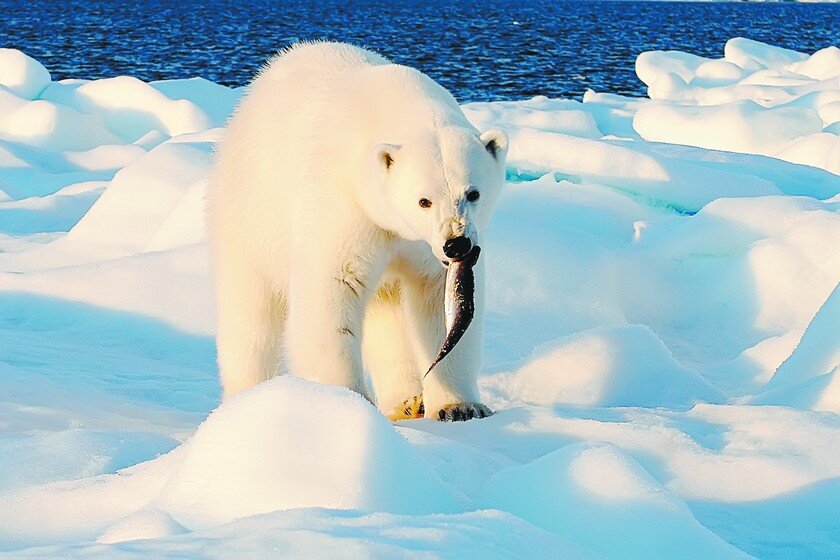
[457, 247]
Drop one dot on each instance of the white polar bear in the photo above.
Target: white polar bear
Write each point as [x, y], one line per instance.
[339, 181]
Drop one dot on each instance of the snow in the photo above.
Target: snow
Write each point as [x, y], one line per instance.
[607, 366]
[359, 463]
[809, 378]
[342, 535]
[147, 524]
[660, 341]
[739, 126]
[585, 491]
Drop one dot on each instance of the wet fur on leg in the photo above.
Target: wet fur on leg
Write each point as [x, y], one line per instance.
[410, 409]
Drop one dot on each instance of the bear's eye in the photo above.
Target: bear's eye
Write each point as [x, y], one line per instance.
[472, 196]
[425, 203]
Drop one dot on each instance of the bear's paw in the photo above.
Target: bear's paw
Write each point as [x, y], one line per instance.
[460, 412]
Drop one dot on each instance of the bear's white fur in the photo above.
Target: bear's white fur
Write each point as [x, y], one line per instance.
[322, 251]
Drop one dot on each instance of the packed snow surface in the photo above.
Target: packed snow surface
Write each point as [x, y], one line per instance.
[661, 343]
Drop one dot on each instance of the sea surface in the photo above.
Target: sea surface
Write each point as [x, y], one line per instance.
[478, 49]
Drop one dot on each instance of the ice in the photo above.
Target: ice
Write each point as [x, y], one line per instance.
[660, 341]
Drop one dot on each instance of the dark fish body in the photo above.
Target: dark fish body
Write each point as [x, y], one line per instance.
[459, 302]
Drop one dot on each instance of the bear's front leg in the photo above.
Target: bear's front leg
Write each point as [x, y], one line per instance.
[327, 297]
[450, 390]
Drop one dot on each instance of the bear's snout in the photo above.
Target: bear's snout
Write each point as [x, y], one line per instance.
[457, 248]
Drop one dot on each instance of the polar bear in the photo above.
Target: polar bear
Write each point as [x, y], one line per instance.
[344, 184]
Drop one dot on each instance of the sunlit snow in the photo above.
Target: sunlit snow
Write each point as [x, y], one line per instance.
[662, 341]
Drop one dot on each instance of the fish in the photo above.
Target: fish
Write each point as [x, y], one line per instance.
[458, 303]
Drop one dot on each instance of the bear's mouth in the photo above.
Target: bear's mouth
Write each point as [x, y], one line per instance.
[459, 301]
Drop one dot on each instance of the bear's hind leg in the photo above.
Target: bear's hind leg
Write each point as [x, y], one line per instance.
[389, 356]
[250, 324]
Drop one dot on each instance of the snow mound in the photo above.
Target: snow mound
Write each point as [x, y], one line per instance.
[821, 65]
[47, 125]
[55, 212]
[757, 99]
[809, 377]
[540, 113]
[672, 177]
[106, 157]
[216, 101]
[631, 168]
[821, 393]
[128, 216]
[22, 75]
[149, 524]
[653, 66]
[589, 491]
[610, 366]
[820, 150]
[739, 126]
[755, 55]
[819, 350]
[278, 446]
[131, 108]
[154, 203]
[243, 461]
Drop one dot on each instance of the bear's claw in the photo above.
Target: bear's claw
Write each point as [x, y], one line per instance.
[461, 412]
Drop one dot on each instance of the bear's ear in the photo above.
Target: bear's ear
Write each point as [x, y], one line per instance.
[386, 154]
[496, 143]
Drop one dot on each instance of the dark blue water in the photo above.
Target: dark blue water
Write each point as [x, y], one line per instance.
[478, 49]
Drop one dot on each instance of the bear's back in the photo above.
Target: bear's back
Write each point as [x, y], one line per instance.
[318, 60]
[337, 86]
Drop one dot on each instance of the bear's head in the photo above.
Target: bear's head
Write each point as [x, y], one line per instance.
[440, 187]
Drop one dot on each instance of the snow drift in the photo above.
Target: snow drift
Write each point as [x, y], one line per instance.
[243, 461]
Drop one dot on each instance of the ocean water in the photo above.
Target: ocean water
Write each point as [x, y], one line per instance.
[478, 49]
